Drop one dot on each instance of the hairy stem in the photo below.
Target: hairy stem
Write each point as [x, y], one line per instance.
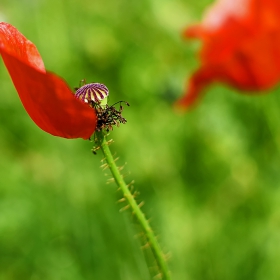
[101, 141]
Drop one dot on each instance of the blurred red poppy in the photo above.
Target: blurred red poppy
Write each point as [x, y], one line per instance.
[46, 97]
[240, 47]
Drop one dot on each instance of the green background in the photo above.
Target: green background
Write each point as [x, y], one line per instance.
[209, 177]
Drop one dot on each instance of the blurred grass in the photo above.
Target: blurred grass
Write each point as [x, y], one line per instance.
[209, 178]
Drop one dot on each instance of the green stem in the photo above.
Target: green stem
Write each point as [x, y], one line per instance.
[152, 241]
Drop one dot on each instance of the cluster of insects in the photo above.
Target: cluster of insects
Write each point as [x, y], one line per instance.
[95, 95]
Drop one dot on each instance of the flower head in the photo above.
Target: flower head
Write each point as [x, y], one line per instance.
[240, 47]
[46, 97]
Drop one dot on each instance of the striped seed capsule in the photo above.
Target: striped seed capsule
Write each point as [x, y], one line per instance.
[95, 93]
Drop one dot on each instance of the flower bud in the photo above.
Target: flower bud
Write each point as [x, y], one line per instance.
[94, 92]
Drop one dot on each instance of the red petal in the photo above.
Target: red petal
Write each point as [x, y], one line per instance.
[240, 46]
[15, 44]
[194, 31]
[46, 97]
[198, 81]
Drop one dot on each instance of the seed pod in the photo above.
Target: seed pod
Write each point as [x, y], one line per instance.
[94, 92]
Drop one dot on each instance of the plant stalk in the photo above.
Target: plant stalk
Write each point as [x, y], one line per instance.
[101, 141]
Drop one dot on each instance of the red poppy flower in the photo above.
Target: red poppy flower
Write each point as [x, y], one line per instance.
[240, 47]
[46, 97]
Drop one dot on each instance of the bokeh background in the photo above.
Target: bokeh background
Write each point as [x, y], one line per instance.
[210, 177]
